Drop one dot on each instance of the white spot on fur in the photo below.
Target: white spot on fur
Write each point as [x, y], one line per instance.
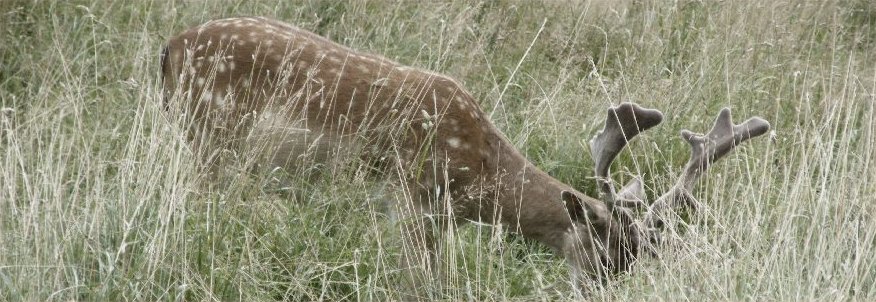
[461, 102]
[221, 67]
[231, 66]
[201, 81]
[219, 98]
[454, 142]
[454, 124]
[206, 97]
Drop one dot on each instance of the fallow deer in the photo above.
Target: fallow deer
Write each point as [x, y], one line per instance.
[245, 80]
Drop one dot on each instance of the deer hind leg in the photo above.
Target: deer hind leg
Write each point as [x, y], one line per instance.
[210, 141]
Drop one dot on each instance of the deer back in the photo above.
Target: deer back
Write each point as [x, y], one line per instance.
[244, 79]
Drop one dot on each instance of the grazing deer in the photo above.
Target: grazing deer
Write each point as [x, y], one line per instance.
[242, 81]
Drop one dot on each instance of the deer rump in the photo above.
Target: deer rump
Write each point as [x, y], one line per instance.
[245, 82]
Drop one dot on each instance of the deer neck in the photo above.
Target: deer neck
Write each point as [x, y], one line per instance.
[529, 199]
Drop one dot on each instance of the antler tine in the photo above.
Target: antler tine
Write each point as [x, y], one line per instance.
[624, 122]
[723, 137]
[705, 150]
[632, 195]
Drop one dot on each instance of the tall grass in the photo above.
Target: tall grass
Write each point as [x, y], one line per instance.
[99, 199]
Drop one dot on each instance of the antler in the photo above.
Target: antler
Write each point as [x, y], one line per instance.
[705, 150]
[624, 122]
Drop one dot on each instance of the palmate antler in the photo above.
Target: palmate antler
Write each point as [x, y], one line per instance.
[625, 122]
[705, 150]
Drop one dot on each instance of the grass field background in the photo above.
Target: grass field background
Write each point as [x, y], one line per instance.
[99, 199]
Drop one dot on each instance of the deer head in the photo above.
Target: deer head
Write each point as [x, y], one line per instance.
[245, 80]
[619, 238]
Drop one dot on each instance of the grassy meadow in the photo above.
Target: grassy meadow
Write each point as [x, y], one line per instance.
[100, 198]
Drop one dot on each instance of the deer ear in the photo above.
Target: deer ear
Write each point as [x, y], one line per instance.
[576, 207]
